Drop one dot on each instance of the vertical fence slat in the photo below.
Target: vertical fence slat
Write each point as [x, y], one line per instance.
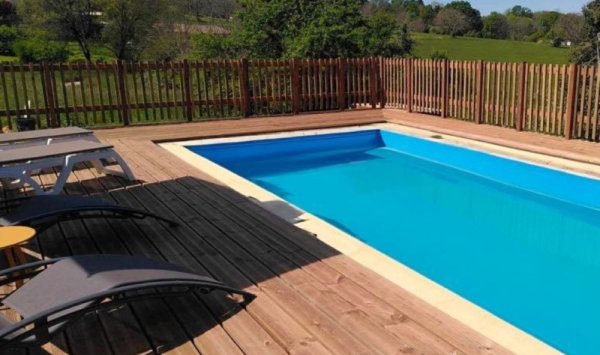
[571, 99]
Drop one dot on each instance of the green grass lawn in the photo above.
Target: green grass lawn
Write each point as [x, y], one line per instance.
[98, 54]
[467, 48]
[5, 58]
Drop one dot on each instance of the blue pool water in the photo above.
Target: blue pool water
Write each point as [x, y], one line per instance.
[519, 240]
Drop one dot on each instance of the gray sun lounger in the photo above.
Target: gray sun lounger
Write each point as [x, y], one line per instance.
[17, 164]
[43, 211]
[70, 288]
[43, 135]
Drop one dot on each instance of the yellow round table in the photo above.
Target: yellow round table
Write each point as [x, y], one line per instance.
[11, 239]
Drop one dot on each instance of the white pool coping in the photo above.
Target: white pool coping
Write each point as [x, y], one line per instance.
[484, 322]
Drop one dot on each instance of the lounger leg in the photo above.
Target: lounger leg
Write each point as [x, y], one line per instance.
[97, 164]
[16, 179]
[124, 166]
[65, 171]
[112, 154]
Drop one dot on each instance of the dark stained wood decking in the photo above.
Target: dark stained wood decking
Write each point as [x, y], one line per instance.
[310, 299]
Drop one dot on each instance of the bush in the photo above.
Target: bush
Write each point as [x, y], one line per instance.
[438, 55]
[35, 50]
[211, 46]
[8, 36]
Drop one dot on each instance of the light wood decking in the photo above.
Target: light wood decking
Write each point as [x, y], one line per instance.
[311, 299]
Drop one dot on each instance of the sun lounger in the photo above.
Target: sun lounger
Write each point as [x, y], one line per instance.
[42, 136]
[18, 164]
[43, 211]
[71, 288]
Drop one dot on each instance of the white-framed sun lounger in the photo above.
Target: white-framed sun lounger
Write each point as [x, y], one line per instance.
[18, 164]
[42, 136]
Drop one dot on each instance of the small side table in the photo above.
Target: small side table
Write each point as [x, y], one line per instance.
[11, 239]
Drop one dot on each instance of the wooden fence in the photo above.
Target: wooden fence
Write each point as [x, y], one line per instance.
[115, 94]
[554, 99]
[561, 100]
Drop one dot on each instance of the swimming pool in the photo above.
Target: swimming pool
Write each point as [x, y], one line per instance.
[519, 240]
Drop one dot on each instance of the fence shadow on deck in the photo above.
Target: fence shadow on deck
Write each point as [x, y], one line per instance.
[222, 234]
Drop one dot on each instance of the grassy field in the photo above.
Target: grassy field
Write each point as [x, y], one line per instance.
[467, 48]
[5, 58]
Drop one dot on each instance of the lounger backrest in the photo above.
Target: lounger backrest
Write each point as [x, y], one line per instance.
[50, 151]
[41, 134]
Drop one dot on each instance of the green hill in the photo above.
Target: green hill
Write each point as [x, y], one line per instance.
[468, 48]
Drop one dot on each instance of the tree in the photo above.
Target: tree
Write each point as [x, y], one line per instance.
[8, 13]
[130, 26]
[8, 36]
[521, 28]
[519, 11]
[312, 28]
[411, 7]
[585, 52]
[570, 27]
[546, 20]
[384, 38]
[212, 8]
[472, 16]
[65, 20]
[335, 31]
[451, 22]
[495, 25]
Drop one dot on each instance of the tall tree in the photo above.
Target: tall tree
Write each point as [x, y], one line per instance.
[495, 26]
[472, 16]
[521, 28]
[66, 19]
[570, 27]
[8, 13]
[519, 11]
[451, 22]
[546, 19]
[212, 8]
[312, 28]
[130, 26]
[586, 50]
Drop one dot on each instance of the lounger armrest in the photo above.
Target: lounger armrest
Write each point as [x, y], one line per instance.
[41, 319]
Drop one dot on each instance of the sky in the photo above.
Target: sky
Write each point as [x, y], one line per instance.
[487, 6]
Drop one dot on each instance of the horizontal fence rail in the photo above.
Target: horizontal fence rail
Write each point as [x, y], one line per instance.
[561, 100]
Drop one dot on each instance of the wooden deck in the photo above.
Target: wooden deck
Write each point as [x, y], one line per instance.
[311, 299]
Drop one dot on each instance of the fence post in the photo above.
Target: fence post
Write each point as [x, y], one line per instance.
[522, 96]
[373, 81]
[189, 108]
[341, 83]
[409, 84]
[123, 105]
[382, 79]
[50, 95]
[445, 66]
[295, 86]
[571, 99]
[244, 87]
[479, 92]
